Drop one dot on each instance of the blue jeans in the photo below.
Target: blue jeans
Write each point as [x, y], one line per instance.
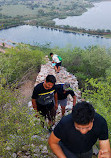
[69, 154]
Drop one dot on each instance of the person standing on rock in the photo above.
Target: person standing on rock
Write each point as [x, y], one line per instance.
[43, 97]
[76, 133]
[57, 60]
[63, 90]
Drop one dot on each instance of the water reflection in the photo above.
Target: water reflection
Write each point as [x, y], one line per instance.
[55, 37]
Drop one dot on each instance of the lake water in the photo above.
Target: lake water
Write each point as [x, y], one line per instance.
[34, 35]
[97, 17]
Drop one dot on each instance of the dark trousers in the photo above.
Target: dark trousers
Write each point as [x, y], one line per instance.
[48, 111]
[58, 64]
[69, 154]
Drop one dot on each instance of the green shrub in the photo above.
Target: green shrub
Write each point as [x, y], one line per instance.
[18, 124]
[17, 62]
[100, 97]
[91, 62]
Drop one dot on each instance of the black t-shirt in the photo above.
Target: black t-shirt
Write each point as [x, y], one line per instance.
[43, 96]
[61, 95]
[77, 142]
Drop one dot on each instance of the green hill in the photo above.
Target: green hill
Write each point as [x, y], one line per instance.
[18, 124]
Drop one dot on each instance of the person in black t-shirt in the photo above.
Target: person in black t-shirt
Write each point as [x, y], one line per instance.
[76, 133]
[43, 98]
[63, 90]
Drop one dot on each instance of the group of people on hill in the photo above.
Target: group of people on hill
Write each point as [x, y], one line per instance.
[47, 96]
[76, 133]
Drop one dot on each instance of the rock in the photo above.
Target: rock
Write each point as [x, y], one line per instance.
[30, 104]
[37, 137]
[27, 153]
[44, 149]
[95, 150]
[36, 155]
[14, 155]
[19, 153]
[32, 146]
[36, 150]
[29, 156]
[25, 147]
[8, 148]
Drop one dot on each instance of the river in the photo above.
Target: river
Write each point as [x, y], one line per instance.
[56, 38]
[37, 35]
[97, 17]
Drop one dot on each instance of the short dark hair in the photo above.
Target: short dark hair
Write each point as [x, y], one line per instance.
[83, 113]
[51, 78]
[51, 54]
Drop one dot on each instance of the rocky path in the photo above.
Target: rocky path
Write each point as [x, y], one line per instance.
[61, 77]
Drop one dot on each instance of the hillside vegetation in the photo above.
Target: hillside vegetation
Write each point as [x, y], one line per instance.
[91, 66]
[17, 125]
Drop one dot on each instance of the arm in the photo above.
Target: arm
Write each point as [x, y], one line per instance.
[104, 151]
[74, 100]
[34, 104]
[56, 100]
[53, 61]
[53, 142]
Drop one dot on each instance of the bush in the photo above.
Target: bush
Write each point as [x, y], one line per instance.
[100, 97]
[90, 62]
[20, 61]
[19, 127]
[18, 124]
[96, 60]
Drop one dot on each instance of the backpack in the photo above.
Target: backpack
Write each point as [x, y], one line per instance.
[59, 58]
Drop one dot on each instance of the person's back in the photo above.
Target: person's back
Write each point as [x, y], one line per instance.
[55, 58]
[56, 61]
[63, 90]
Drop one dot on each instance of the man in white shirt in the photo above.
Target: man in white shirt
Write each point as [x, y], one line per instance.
[57, 62]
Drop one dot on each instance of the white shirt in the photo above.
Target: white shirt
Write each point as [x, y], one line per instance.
[55, 58]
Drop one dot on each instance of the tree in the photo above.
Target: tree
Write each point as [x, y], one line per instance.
[100, 97]
[41, 12]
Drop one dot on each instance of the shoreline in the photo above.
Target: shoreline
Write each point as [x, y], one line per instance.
[50, 24]
[80, 31]
[68, 30]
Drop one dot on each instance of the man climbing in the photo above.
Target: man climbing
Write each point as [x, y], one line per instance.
[76, 133]
[43, 98]
[57, 60]
[63, 90]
